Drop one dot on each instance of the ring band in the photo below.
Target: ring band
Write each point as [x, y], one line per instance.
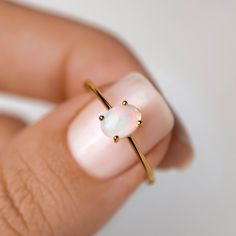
[150, 177]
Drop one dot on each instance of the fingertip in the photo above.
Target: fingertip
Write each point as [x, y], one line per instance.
[180, 154]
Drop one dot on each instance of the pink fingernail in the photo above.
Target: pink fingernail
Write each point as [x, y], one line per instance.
[97, 153]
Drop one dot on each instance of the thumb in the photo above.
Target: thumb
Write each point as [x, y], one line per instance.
[63, 176]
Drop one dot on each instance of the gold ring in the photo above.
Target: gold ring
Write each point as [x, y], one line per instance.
[125, 109]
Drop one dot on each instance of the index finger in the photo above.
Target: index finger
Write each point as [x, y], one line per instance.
[49, 57]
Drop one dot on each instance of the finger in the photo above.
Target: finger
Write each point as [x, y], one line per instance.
[60, 186]
[9, 127]
[62, 62]
[52, 56]
[180, 153]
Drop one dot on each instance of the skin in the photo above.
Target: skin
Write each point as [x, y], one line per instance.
[42, 190]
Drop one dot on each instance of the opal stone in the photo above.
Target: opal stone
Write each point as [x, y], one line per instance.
[121, 120]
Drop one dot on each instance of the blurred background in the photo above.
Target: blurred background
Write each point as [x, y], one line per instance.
[190, 48]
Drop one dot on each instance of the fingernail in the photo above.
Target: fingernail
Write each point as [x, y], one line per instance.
[97, 153]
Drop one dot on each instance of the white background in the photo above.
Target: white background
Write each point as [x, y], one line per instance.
[190, 48]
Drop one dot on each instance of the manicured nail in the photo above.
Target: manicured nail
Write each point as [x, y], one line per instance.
[88, 136]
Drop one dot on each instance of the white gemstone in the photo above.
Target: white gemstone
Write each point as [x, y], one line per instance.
[121, 120]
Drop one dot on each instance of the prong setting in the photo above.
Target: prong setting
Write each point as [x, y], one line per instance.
[140, 122]
[121, 120]
[101, 117]
[124, 103]
[116, 138]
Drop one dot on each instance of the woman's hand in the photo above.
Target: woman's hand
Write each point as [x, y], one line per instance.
[60, 176]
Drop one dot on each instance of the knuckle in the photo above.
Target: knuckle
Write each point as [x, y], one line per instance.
[10, 214]
[23, 200]
[37, 189]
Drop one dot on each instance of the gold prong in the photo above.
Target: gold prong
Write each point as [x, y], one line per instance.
[140, 122]
[101, 117]
[116, 138]
[124, 103]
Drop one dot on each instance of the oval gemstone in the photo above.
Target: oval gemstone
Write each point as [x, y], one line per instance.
[121, 120]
